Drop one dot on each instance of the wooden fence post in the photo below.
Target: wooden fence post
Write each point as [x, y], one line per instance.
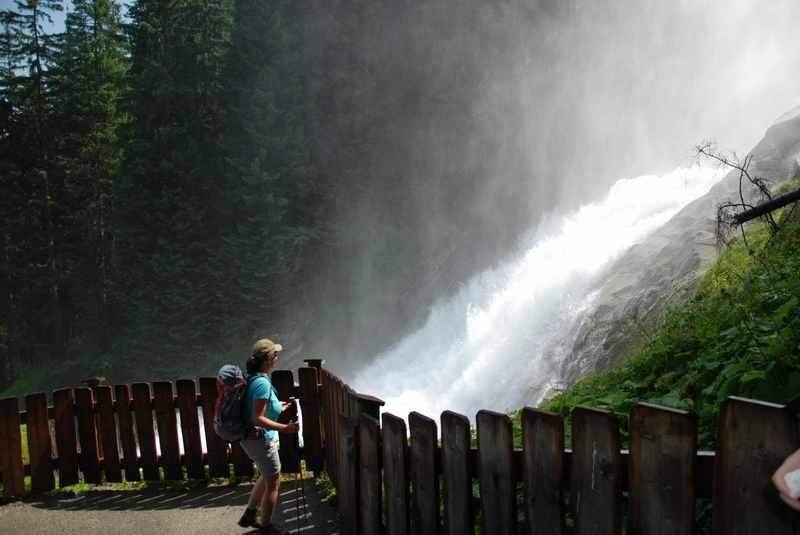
[312, 420]
[283, 381]
[661, 471]
[347, 484]
[66, 445]
[596, 472]
[11, 448]
[190, 428]
[108, 433]
[395, 450]
[543, 471]
[336, 424]
[87, 433]
[753, 439]
[370, 405]
[127, 433]
[495, 451]
[369, 482]
[143, 410]
[39, 448]
[422, 467]
[217, 456]
[164, 408]
[456, 481]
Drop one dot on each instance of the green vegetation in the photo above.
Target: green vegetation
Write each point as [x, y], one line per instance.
[740, 336]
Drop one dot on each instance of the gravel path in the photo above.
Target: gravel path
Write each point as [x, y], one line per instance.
[209, 510]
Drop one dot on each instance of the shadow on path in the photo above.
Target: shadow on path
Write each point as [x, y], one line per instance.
[149, 500]
[206, 510]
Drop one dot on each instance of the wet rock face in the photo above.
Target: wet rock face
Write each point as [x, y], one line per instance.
[665, 269]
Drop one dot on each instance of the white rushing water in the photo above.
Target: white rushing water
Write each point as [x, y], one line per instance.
[500, 341]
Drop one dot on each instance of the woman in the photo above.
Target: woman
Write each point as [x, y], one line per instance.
[262, 408]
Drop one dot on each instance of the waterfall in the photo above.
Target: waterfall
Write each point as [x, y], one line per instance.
[501, 340]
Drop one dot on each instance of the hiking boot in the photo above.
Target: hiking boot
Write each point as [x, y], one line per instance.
[248, 519]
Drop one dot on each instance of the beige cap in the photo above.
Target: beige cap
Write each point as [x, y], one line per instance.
[265, 345]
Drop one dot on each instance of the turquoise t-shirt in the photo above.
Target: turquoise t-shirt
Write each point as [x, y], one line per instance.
[261, 388]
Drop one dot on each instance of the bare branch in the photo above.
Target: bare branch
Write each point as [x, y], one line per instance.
[726, 212]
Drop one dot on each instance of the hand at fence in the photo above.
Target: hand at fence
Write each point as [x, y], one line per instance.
[787, 480]
[285, 405]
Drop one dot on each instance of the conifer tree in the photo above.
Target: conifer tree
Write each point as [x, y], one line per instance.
[269, 187]
[170, 225]
[34, 305]
[88, 81]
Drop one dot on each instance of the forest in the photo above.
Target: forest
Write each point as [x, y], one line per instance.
[178, 179]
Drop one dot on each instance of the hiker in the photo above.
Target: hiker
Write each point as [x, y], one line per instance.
[787, 480]
[262, 408]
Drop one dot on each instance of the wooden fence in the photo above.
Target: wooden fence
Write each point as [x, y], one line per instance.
[397, 478]
[104, 432]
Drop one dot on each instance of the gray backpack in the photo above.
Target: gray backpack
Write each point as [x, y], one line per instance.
[229, 409]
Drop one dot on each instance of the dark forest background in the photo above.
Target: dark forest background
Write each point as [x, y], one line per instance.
[180, 178]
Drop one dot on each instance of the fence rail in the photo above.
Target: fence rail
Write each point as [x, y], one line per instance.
[425, 476]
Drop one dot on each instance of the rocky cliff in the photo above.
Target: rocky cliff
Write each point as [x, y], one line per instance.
[666, 267]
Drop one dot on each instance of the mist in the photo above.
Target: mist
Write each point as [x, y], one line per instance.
[486, 118]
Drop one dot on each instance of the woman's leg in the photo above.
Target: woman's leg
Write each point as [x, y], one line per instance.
[256, 493]
[270, 497]
[248, 518]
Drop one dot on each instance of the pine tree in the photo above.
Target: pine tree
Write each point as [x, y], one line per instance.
[34, 305]
[88, 81]
[171, 223]
[272, 199]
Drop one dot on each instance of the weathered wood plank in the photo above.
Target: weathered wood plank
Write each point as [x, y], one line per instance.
[127, 432]
[312, 425]
[283, 381]
[753, 440]
[143, 410]
[108, 433]
[66, 443]
[395, 482]
[39, 448]
[325, 408]
[543, 471]
[456, 481]
[190, 428]
[424, 480]
[495, 452]
[330, 440]
[164, 408]
[369, 482]
[661, 471]
[11, 448]
[336, 421]
[87, 434]
[596, 481]
[217, 449]
[347, 486]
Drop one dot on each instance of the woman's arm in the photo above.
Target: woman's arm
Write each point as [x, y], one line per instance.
[791, 464]
[262, 421]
